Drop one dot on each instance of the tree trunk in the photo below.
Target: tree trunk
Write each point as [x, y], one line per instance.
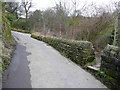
[118, 34]
[60, 31]
[115, 31]
[26, 15]
[116, 40]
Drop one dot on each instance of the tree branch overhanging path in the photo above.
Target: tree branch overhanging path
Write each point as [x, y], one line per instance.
[41, 66]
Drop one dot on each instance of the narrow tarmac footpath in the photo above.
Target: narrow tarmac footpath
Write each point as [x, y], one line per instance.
[38, 65]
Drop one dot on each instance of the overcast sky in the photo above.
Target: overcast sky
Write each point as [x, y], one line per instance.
[44, 4]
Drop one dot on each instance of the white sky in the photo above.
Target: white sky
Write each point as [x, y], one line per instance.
[44, 4]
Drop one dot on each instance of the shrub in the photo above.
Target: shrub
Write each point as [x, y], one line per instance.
[21, 24]
[80, 52]
[10, 17]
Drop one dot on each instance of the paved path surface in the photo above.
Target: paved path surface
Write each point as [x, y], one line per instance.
[37, 65]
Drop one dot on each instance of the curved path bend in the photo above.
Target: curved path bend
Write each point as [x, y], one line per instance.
[37, 65]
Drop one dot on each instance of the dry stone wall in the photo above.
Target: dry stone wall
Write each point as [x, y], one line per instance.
[110, 66]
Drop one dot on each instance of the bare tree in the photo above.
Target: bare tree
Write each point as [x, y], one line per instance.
[117, 26]
[74, 17]
[76, 13]
[13, 8]
[27, 4]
